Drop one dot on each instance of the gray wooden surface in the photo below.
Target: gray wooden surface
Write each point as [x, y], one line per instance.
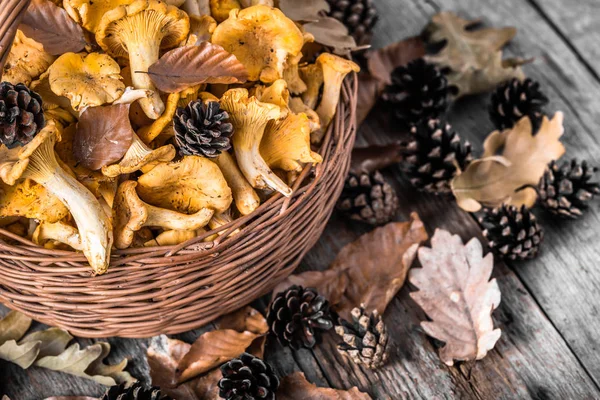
[549, 347]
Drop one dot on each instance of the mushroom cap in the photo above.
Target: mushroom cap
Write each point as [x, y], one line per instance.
[246, 111]
[262, 38]
[201, 29]
[286, 143]
[87, 80]
[88, 13]
[129, 214]
[31, 200]
[186, 186]
[337, 63]
[139, 156]
[142, 17]
[277, 93]
[57, 233]
[220, 9]
[26, 61]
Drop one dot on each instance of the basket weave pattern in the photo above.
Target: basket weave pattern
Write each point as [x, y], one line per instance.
[151, 291]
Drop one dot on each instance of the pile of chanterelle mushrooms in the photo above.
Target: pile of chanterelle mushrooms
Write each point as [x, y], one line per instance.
[196, 156]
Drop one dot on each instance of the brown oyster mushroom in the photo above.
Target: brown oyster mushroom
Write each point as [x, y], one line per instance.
[291, 74]
[186, 186]
[57, 232]
[30, 200]
[201, 29]
[139, 156]
[262, 38]
[335, 70]
[139, 31]
[245, 197]
[312, 74]
[131, 214]
[220, 9]
[87, 80]
[26, 61]
[250, 118]
[286, 144]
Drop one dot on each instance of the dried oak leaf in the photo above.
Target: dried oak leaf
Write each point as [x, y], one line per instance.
[512, 164]
[380, 65]
[473, 56]
[296, 387]
[456, 294]
[104, 134]
[188, 66]
[307, 10]
[51, 26]
[331, 33]
[369, 270]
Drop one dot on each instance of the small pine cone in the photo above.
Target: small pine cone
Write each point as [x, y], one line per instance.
[419, 92]
[512, 233]
[296, 316]
[435, 155]
[514, 100]
[359, 16]
[365, 339]
[368, 198]
[21, 114]
[202, 129]
[565, 190]
[247, 378]
[137, 391]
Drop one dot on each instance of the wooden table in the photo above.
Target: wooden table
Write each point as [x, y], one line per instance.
[550, 347]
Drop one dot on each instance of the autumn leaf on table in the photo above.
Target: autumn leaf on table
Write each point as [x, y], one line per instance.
[296, 387]
[307, 10]
[512, 159]
[456, 294]
[367, 271]
[473, 56]
[104, 134]
[50, 25]
[48, 349]
[188, 66]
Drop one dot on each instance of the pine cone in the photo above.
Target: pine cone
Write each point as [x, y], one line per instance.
[512, 233]
[296, 316]
[436, 153]
[419, 92]
[21, 114]
[359, 16]
[365, 339]
[514, 100]
[565, 190]
[368, 198]
[137, 391]
[202, 129]
[247, 378]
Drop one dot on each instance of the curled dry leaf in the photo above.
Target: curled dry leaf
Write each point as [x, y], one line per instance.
[296, 387]
[307, 10]
[380, 65]
[48, 349]
[188, 66]
[456, 293]
[369, 270]
[331, 33]
[473, 56]
[104, 134]
[50, 25]
[512, 164]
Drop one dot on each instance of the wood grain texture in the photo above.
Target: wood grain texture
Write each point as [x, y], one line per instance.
[549, 309]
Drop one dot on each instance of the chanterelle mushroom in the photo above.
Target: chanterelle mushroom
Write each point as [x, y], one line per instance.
[139, 31]
[335, 70]
[286, 144]
[220, 9]
[312, 74]
[30, 200]
[186, 186]
[57, 232]
[246, 198]
[37, 161]
[262, 38]
[26, 61]
[131, 214]
[249, 118]
[277, 94]
[87, 80]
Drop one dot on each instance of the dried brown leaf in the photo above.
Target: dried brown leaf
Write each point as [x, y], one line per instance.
[331, 33]
[24, 355]
[188, 66]
[369, 270]
[512, 160]
[296, 387]
[164, 355]
[307, 10]
[104, 134]
[14, 326]
[50, 25]
[474, 56]
[456, 294]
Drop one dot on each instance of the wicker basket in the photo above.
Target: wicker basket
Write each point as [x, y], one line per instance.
[151, 291]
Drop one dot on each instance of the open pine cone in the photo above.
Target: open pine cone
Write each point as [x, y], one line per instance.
[515, 100]
[137, 391]
[247, 378]
[21, 114]
[359, 16]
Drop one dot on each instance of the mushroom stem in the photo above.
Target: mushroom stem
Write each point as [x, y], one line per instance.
[246, 199]
[59, 232]
[142, 54]
[173, 220]
[139, 155]
[94, 225]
